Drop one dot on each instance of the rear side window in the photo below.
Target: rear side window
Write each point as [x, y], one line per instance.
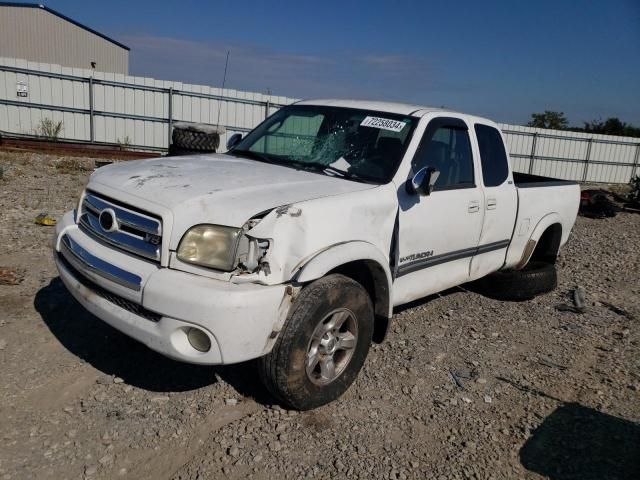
[493, 156]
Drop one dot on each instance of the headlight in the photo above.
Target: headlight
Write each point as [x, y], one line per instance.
[211, 246]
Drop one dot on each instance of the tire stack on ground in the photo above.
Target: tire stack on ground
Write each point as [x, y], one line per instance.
[192, 138]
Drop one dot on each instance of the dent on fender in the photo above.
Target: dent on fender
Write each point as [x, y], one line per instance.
[300, 232]
[290, 294]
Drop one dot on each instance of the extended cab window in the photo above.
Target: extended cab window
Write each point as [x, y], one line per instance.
[448, 150]
[493, 156]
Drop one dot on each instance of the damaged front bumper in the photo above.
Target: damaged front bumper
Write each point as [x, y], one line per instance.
[158, 306]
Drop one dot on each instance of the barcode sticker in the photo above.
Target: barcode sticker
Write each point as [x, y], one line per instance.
[383, 124]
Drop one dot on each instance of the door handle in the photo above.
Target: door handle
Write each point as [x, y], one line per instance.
[492, 203]
[474, 206]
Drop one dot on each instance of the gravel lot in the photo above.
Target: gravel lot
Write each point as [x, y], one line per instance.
[541, 393]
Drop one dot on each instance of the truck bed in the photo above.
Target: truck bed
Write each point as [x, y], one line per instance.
[527, 180]
[542, 202]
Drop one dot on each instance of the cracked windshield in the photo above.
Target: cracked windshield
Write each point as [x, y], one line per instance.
[359, 145]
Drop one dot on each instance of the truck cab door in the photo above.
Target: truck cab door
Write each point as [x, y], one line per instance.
[500, 203]
[438, 234]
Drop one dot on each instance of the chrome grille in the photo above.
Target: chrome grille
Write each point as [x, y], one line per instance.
[121, 302]
[121, 227]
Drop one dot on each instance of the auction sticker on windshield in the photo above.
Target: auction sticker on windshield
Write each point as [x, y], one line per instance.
[383, 124]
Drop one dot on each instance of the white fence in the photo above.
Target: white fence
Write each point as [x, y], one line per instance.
[584, 157]
[112, 108]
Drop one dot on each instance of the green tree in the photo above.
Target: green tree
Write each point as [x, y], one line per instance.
[611, 126]
[549, 119]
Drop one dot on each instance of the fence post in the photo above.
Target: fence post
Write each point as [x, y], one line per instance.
[267, 107]
[91, 129]
[170, 117]
[586, 161]
[636, 160]
[533, 152]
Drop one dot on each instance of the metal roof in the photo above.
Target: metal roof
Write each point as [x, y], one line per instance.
[64, 17]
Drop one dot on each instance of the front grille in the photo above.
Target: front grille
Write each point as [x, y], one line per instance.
[121, 226]
[117, 300]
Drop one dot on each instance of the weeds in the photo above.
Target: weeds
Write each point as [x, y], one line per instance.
[71, 165]
[48, 128]
[124, 143]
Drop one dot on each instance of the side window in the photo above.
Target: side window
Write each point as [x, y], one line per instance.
[448, 150]
[493, 156]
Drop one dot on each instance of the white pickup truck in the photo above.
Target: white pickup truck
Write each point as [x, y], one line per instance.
[295, 246]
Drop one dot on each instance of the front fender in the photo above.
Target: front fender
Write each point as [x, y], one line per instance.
[332, 257]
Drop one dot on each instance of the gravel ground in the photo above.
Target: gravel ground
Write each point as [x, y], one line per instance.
[464, 386]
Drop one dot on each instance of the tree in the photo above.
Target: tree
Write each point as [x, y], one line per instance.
[549, 119]
[611, 126]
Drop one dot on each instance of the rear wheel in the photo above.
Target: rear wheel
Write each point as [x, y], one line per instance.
[323, 344]
[533, 280]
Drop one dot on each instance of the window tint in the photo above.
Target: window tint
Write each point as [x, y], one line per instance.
[493, 156]
[296, 135]
[448, 150]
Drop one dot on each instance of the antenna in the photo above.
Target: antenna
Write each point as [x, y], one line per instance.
[224, 80]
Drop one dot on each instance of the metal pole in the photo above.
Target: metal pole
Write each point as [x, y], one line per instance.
[267, 107]
[533, 152]
[586, 161]
[170, 110]
[91, 126]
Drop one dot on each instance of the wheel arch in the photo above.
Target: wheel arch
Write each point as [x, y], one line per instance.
[544, 242]
[364, 263]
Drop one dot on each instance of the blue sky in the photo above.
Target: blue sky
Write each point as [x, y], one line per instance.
[501, 59]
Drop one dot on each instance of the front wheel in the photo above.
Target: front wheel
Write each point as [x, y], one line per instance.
[322, 345]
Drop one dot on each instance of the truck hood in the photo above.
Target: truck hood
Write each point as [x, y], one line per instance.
[214, 188]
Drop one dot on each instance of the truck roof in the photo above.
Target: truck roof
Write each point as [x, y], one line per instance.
[390, 107]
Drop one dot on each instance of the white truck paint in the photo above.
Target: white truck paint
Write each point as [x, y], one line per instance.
[296, 226]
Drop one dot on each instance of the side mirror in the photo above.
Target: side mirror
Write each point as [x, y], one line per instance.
[423, 181]
[233, 140]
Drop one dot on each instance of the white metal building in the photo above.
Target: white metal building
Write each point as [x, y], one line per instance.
[38, 34]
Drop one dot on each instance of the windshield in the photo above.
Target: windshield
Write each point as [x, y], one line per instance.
[359, 145]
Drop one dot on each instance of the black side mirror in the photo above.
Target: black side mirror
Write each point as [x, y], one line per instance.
[233, 140]
[423, 181]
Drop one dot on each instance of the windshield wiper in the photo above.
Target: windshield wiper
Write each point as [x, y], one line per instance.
[317, 167]
[302, 165]
[321, 167]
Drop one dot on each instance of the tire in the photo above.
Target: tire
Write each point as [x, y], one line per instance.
[334, 298]
[175, 151]
[195, 141]
[535, 279]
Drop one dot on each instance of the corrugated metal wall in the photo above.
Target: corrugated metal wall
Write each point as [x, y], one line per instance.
[578, 156]
[38, 35]
[132, 110]
[138, 111]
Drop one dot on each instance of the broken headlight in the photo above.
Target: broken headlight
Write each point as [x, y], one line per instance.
[212, 246]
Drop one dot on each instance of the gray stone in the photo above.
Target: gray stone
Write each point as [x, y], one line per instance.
[104, 380]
